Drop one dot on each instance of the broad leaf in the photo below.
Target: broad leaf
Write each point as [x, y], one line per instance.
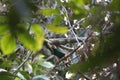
[27, 40]
[37, 29]
[49, 12]
[58, 29]
[39, 35]
[8, 44]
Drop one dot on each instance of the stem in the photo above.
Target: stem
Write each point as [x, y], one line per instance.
[15, 72]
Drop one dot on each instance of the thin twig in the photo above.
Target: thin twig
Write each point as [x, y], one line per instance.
[63, 58]
[85, 76]
[22, 63]
[70, 26]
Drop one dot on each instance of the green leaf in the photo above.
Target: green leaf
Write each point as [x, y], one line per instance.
[49, 12]
[27, 40]
[6, 64]
[115, 5]
[87, 1]
[8, 44]
[58, 29]
[25, 75]
[39, 35]
[3, 29]
[77, 2]
[6, 76]
[86, 23]
[17, 78]
[57, 20]
[96, 10]
[37, 29]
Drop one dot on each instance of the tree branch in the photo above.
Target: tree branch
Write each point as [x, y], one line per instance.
[63, 41]
[63, 58]
[22, 63]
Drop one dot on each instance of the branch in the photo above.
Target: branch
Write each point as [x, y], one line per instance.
[70, 26]
[66, 48]
[63, 58]
[63, 41]
[23, 63]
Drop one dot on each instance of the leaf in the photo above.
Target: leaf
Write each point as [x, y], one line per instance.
[58, 29]
[6, 64]
[87, 1]
[3, 29]
[49, 12]
[47, 64]
[86, 23]
[39, 77]
[58, 19]
[79, 13]
[17, 78]
[27, 40]
[6, 76]
[39, 35]
[28, 68]
[24, 74]
[8, 44]
[37, 29]
[79, 2]
[33, 43]
[115, 5]
[21, 76]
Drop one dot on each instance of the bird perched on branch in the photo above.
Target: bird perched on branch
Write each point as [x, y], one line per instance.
[54, 50]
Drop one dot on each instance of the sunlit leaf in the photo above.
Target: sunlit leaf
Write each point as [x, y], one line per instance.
[17, 78]
[37, 29]
[39, 35]
[49, 12]
[27, 40]
[41, 56]
[77, 2]
[58, 29]
[8, 44]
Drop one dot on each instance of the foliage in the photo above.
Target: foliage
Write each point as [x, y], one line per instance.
[34, 33]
